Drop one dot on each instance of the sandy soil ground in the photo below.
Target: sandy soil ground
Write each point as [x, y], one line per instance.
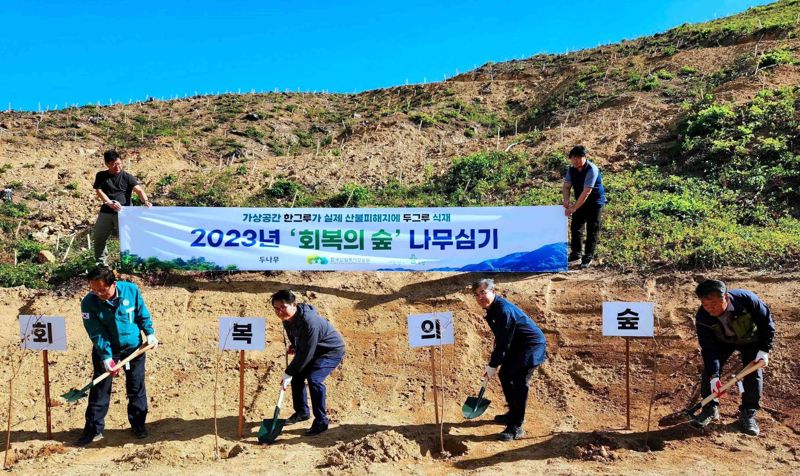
[381, 400]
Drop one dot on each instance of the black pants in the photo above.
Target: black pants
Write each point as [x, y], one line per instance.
[753, 383]
[515, 382]
[100, 394]
[315, 373]
[591, 216]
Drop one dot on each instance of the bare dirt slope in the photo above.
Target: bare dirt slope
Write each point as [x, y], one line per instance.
[380, 399]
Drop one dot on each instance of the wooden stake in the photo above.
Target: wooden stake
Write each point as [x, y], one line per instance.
[628, 381]
[47, 394]
[241, 394]
[436, 398]
[8, 429]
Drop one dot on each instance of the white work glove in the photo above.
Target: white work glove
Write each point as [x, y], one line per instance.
[715, 387]
[490, 372]
[151, 340]
[761, 355]
[285, 381]
[111, 366]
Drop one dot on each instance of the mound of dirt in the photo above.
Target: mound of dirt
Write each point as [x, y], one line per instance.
[146, 455]
[33, 451]
[382, 447]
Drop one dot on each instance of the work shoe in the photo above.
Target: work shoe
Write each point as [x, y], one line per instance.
[573, 257]
[140, 433]
[586, 262]
[511, 433]
[709, 414]
[504, 419]
[296, 418]
[317, 428]
[747, 419]
[88, 437]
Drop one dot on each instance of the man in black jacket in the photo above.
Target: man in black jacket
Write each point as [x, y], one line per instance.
[318, 349]
[519, 347]
[727, 321]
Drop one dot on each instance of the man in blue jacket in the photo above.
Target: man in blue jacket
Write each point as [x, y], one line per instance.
[519, 348]
[318, 349]
[114, 315]
[590, 198]
[731, 320]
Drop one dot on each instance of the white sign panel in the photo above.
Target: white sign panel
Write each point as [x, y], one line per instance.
[242, 333]
[42, 333]
[628, 319]
[496, 239]
[430, 329]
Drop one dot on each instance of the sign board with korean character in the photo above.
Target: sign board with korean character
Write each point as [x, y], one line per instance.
[628, 319]
[430, 329]
[43, 332]
[242, 333]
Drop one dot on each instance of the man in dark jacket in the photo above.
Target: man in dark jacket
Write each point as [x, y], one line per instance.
[727, 321]
[318, 349]
[519, 348]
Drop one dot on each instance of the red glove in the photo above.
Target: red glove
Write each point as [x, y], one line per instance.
[716, 386]
[111, 366]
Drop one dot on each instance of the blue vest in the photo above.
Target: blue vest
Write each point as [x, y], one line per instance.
[598, 195]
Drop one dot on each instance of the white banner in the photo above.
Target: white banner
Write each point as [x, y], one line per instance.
[628, 319]
[430, 329]
[42, 333]
[242, 333]
[497, 239]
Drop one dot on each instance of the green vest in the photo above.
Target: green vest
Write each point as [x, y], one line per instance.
[742, 325]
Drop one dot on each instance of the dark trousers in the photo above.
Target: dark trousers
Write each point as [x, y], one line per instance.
[753, 383]
[100, 394]
[315, 373]
[515, 382]
[591, 216]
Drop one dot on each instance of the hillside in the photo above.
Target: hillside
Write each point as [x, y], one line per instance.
[696, 131]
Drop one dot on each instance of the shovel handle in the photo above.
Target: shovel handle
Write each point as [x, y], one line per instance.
[280, 397]
[137, 353]
[751, 367]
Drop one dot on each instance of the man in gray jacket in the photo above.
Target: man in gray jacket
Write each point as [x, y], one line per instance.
[318, 349]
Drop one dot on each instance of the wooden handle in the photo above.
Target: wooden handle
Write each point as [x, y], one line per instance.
[137, 353]
[751, 367]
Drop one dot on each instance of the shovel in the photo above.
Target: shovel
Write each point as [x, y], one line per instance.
[475, 406]
[752, 367]
[270, 429]
[75, 394]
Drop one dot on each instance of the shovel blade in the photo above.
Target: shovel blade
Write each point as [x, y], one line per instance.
[474, 407]
[74, 395]
[270, 429]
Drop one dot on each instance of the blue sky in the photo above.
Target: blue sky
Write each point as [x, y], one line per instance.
[54, 54]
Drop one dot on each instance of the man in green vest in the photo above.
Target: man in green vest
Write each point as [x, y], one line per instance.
[731, 320]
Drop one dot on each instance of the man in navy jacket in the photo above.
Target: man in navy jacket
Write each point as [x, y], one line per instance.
[318, 349]
[727, 321]
[519, 348]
